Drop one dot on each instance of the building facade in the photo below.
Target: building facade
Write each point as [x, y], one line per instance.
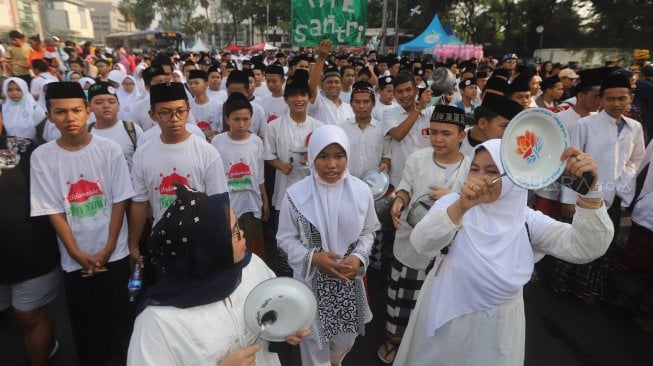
[107, 19]
[68, 19]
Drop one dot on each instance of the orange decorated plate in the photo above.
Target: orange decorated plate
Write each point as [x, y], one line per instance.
[531, 148]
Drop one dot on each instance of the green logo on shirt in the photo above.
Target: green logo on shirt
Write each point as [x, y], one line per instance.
[85, 198]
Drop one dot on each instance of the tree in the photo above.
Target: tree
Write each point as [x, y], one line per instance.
[624, 23]
[192, 26]
[140, 12]
[171, 9]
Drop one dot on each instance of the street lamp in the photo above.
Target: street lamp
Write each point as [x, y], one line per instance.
[540, 30]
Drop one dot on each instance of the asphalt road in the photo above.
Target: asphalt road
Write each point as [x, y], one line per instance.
[560, 331]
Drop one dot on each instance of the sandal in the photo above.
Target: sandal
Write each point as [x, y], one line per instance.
[388, 349]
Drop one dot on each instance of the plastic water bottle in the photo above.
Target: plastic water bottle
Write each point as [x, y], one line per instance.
[135, 283]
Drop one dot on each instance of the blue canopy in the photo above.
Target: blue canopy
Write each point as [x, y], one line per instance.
[431, 37]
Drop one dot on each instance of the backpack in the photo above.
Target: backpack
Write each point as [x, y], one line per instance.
[129, 127]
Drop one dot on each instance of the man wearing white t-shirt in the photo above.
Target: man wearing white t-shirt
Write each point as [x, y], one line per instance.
[176, 156]
[153, 75]
[105, 105]
[81, 182]
[407, 124]
[274, 104]
[365, 133]
[327, 106]
[616, 144]
[284, 140]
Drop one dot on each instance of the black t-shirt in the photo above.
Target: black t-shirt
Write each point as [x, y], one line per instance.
[28, 245]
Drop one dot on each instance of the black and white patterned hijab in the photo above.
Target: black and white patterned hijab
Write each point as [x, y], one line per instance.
[193, 239]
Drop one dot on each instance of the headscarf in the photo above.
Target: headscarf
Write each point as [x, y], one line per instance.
[140, 84]
[21, 118]
[85, 80]
[121, 68]
[127, 100]
[337, 210]
[182, 78]
[41, 101]
[193, 241]
[116, 76]
[490, 259]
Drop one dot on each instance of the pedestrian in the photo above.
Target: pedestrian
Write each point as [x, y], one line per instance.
[429, 174]
[471, 309]
[81, 183]
[30, 276]
[21, 114]
[242, 158]
[326, 228]
[175, 156]
[195, 314]
[290, 132]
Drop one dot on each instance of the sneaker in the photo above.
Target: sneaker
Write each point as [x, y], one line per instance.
[54, 348]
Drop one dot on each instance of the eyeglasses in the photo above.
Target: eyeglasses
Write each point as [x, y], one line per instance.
[235, 230]
[167, 116]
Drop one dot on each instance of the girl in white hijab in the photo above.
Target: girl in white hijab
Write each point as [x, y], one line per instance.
[326, 226]
[472, 313]
[20, 112]
[127, 96]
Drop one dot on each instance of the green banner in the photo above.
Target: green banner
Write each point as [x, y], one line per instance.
[341, 21]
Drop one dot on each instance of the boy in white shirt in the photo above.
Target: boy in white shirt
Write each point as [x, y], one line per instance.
[205, 110]
[385, 97]
[283, 138]
[105, 105]
[273, 104]
[81, 182]
[215, 82]
[616, 143]
[242, 157]
[429, 174]
[175, 156]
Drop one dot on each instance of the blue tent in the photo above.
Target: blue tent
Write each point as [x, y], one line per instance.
[431, 37]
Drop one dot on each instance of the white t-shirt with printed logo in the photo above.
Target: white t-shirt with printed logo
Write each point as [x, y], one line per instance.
[243, 170]
[208, 115]
[84, 185]
[274, 107]
[118, 134]
[157, 166]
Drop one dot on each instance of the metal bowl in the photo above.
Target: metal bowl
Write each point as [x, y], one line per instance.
[418, 210]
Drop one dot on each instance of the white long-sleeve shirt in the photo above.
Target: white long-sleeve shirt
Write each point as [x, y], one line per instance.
[617, 155]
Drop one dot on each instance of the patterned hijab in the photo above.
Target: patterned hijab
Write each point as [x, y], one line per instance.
[193, 241]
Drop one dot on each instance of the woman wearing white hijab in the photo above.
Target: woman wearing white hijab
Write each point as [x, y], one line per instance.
[472, 313]
[326, 226]
[20, 114]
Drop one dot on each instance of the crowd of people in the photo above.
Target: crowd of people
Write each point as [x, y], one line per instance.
[215, 172]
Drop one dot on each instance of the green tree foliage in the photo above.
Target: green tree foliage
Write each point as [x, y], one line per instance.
[623, 23]
[140, 12]
[192, 26]
[510, 25]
